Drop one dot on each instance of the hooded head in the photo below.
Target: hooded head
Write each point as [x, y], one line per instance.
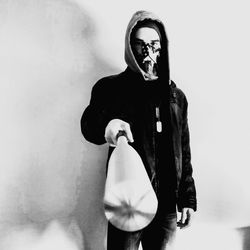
[146, 46]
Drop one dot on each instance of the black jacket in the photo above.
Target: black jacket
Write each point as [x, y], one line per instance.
[133, 97]
[123, 97]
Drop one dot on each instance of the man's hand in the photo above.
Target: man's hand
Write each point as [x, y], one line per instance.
[186, 218]
[112, 129]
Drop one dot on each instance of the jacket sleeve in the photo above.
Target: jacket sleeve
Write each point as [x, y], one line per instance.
[96, 115]
[187, 190]
[103, 107]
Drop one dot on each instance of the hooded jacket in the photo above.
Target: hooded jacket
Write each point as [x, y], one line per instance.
[131, 96]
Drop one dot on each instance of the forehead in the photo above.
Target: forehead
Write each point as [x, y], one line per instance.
[147, 34]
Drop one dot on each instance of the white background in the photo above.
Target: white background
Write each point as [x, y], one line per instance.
[51, 54]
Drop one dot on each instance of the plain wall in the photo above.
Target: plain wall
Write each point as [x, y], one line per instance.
[51, 54]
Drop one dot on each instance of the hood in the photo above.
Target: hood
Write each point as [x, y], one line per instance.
[129, 56]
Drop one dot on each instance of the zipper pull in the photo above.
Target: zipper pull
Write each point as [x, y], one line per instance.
[158, 121]
[159, 126]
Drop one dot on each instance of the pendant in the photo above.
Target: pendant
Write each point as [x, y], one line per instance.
[159, 126]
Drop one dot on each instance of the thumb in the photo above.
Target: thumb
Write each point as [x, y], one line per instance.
[183, 215]
[127, 129]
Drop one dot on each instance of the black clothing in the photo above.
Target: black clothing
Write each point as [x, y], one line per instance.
[125, 96]
[156, 111]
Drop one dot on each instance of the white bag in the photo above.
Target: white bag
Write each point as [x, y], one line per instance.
[130, 202]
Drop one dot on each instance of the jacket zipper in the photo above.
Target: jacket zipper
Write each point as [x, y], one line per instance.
[157, 128]
[158, 119]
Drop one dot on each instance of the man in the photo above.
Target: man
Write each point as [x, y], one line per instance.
[147, 105]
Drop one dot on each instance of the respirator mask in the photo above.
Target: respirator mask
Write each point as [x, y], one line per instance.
[150, 54]
[146, 47]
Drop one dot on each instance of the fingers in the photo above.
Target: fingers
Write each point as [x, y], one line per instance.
[126, 128]
[113, 128]
[186, 218]
[110, 138]
[187, 221]
[183, 215]
[182, 222]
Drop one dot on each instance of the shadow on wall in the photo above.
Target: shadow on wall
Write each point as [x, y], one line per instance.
[89, 208]
[245, 232]
[49, 173]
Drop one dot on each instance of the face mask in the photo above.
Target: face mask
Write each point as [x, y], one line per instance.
[146, 48]
[150, 54]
